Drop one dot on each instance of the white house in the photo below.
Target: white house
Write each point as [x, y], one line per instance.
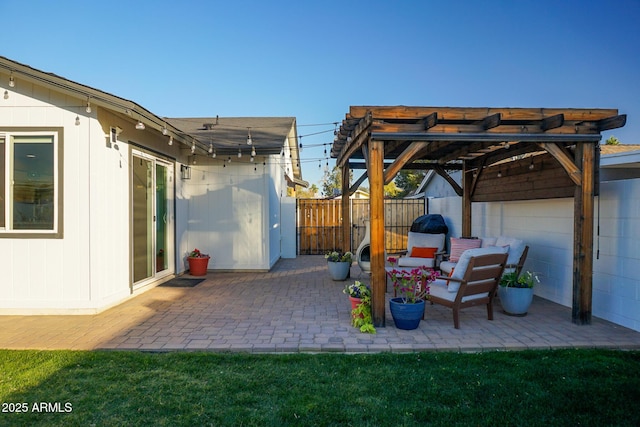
[547, 227]
[101, 199]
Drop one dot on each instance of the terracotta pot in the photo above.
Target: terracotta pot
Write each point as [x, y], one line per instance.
[198, 266]
[354, 303]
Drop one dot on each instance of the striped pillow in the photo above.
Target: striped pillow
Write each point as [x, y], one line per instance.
[460, 245]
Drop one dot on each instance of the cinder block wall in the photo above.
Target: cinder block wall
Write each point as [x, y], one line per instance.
[547, 227]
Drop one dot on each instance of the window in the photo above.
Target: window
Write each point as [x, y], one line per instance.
[28, 183]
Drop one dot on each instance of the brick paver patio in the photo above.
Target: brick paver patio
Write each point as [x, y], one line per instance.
[295, 307]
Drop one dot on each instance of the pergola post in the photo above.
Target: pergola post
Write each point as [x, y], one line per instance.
[376, 208]
[346, 212]
[583, 235]
[467, 181]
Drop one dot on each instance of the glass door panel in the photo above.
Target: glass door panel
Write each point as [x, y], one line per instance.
[162, 217]
[143, 201]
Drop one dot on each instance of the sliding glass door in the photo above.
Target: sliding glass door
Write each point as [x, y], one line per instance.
[152, 218]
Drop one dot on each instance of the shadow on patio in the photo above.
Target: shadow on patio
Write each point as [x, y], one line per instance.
[296, 307]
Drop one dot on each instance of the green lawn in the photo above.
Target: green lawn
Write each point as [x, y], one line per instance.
[565, 387]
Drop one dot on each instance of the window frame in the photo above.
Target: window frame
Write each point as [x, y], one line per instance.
[57, 231]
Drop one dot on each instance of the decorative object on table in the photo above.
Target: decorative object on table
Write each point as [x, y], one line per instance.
[339, 264]
[410, 289]
[198, 263]
[360, 297]
[516, 292]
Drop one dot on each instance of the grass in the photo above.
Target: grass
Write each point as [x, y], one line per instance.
[560, 387]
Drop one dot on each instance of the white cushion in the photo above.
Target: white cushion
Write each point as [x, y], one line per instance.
[408, 261]
[516, 248]
[488, 241]
[439, 288]
[425, 240]
[447, 266]
[463, 263]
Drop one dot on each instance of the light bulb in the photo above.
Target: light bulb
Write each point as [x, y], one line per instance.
[140, 125]
[253, 151]
[249, 140]
[210, 148]
[77, 120]
[12, 82]
[170, 140]
[239, 153]
[6, 94]
[164, 130]
[193, 148]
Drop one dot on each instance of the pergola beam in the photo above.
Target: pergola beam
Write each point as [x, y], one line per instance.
[407, 155]
[565, 160]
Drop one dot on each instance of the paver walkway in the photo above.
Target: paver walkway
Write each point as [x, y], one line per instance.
[295, 307]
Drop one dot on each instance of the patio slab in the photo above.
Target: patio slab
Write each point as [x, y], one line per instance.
[296, 307]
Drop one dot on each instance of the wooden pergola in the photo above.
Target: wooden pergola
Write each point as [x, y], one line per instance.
[504, 154]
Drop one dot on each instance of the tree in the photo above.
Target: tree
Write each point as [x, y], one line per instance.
[392, 190]
[408, 181]
[332, 184]
[307, 193]
[612, 140]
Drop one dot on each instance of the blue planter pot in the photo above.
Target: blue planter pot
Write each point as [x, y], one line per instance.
[339, 270]
[515, 301]
[406, 316]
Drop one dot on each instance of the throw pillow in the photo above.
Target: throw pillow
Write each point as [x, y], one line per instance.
[420, 252]
[460, 245]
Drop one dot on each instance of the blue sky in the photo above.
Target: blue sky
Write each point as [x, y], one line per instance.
[313, 60]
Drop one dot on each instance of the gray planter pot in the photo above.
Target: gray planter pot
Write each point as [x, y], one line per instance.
[515, 301]
[339, 270]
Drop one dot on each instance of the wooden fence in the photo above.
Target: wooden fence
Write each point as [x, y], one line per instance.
[319, 223]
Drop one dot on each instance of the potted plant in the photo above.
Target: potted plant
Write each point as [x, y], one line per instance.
[198, 263]
[339, 264]
[360, 297]
[411, 289]
[516, 292]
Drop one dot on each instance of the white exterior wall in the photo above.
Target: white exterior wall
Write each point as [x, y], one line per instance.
[68, 274]
[547, 227]
[230, 212]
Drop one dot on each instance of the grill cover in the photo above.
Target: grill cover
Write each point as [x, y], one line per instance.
[432, 224]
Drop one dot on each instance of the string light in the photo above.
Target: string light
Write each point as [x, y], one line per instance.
[210, 147]
[170, 140]
[193, 146]
[239, 153]
[77, 120]
[88, 109]
[249, 140]
[12, 82]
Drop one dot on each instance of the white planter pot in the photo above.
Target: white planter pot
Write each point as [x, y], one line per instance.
[515, 301]
[339, 270]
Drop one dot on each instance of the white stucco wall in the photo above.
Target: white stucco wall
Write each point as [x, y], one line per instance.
[547, 227]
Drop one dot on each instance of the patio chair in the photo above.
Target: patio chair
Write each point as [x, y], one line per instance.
[423, 249]
[473, 282]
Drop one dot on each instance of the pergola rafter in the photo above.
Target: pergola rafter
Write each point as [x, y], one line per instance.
[387, 139]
